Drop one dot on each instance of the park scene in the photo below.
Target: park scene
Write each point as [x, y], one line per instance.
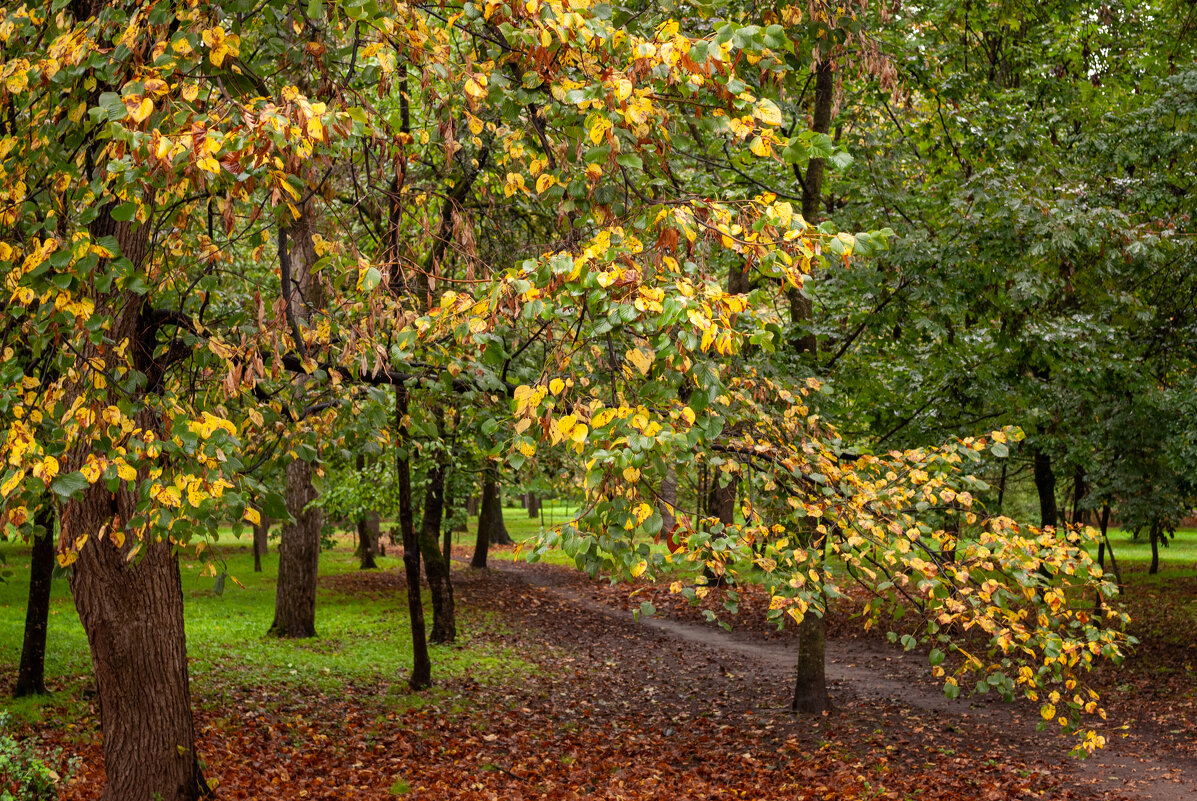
[513, 399]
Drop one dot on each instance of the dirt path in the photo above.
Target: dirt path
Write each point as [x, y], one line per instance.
[870, 680]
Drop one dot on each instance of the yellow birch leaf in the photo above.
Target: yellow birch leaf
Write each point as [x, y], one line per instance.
[251, 516]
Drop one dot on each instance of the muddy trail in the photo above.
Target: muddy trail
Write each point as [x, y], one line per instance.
[889, 711]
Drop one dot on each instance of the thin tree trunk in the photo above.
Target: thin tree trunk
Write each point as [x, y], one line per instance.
[533, 505]
[1155, 548]
[812, 196]
[31, 675]
[1045, 485]
[421, 674]
[298, 558]
[436, 569]
[261, 541]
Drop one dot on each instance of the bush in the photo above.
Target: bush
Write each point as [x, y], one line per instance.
[23, 776]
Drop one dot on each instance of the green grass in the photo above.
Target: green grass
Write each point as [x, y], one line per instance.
[1180, 552]
[363, 640]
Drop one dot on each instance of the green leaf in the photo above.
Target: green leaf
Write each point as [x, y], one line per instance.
[647, 609]
[936, 657]
[371, 279]
[124, 212]
[67, 484]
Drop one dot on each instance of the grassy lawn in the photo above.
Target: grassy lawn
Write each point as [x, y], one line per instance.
[1180, 552]
[363, 639]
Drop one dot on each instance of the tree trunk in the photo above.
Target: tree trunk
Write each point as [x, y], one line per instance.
[1045, 485]
[132, 609]
[368, 533]
[533, 503]
[298, 558]
[436, 569]
[1155, 548]
[261, 540]
[490, 519]
[1079, 489]
[31, 675]
[133, 615]
[721, 500]
[812, 198]
[472, 506]
[421, 674]
[299, 541]
[810, 678]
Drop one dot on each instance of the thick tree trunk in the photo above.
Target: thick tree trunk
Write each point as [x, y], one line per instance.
[133, 615]
[261, 541]
[1045, 485]
[440, 587]
[368, 534]
[298, 558]
[810, 678]
[421, 674]
[31, 675]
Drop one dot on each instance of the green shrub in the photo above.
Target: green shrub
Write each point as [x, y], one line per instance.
[23, 776]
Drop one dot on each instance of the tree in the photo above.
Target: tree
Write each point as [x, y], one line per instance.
[155, 159]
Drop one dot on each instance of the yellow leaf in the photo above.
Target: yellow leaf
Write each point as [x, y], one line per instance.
[643, 360]
[544, 182]
[768, 112]
[315, 129]
[139, 109]
[126, 471]
[251, 516]
[1047, 712]
[639, 568]
[623, 89]
[631, 474]
[688, 414]
[760, 148]
[556, 386]
[10, 485]
[599, 130]
[67, 559]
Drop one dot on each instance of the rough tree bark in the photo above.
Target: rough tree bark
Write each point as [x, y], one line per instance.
[31, 674]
